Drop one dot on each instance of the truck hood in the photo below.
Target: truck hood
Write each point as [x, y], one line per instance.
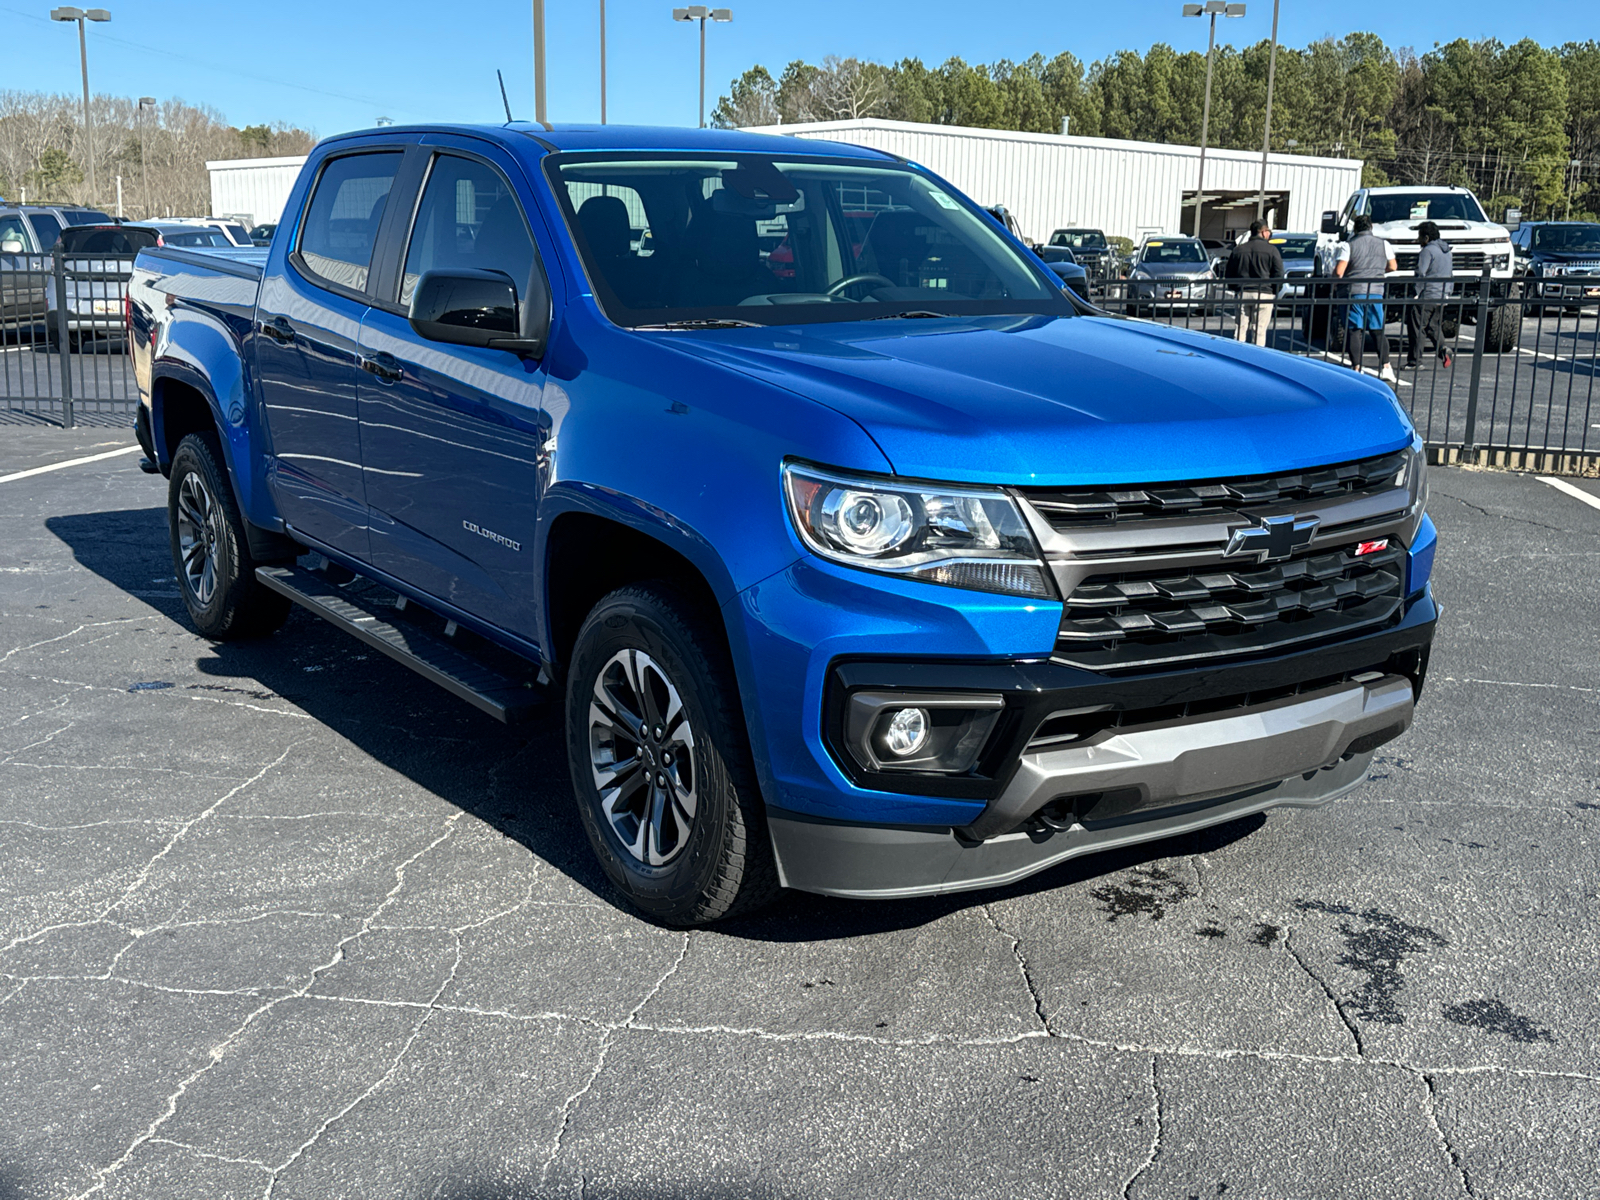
[1450, 231]
[1063, 401]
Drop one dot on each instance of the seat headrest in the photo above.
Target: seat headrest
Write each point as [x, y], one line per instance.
[606, 226]
[725, 244]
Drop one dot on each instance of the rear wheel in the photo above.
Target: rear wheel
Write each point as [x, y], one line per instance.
[660, 763]
[211, 550]
[1504, 326]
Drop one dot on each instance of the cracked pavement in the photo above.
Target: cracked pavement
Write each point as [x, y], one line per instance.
[282, 920]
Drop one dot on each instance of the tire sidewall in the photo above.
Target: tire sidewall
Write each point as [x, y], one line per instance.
[636, 619]
[194, 457]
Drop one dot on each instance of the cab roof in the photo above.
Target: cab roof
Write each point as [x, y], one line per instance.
[639, 137]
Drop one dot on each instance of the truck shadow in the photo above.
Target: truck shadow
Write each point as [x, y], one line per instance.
[464, 757]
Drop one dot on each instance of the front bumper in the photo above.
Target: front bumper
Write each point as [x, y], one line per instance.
[886, 863]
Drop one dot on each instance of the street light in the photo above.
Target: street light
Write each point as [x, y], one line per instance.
[602, 62]
[1212, 9]
[1266, 136]
[699, 12]
[538, 63]
[80, 16]
[145, 102]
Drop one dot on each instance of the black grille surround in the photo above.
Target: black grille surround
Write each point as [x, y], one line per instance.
[1161, 618]
[1092, 507]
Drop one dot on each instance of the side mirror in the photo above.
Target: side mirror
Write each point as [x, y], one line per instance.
[10, 246]
[1513, 218]
[1330, 222]
[479, 308]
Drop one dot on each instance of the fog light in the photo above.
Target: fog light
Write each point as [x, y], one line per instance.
[940, 732]
[907, 732]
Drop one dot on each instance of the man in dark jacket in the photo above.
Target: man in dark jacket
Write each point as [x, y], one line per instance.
[1256, 267]
[1435, 267]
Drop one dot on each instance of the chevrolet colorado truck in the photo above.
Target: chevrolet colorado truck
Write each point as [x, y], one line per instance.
[901, 572]
[1475, 243]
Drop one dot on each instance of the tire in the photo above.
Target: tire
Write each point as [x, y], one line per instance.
[1505, 324]
[211, 551]
[644, 653]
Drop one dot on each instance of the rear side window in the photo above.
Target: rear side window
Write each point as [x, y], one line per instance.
[11, 231]
[106, 241]
[46, 228]
[85, 216]
[341, 225]
[468, 218]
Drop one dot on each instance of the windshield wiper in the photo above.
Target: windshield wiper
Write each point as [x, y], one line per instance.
[703, 323]
[915, 314]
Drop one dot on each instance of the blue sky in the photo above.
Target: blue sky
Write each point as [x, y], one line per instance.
[336, 64]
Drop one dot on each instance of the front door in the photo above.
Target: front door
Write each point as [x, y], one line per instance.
[451, 435]
[307, 323]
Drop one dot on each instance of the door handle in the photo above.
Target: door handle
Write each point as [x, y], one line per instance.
[279, 330]
[383, 365]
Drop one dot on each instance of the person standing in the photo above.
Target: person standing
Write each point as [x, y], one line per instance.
[1258, 267]
[1363, 261]
[1435, 266]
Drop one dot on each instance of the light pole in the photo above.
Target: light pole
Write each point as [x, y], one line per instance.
[145, 102]
[1212, 9]
[1266, 137]
[538, 62]
[699, 12]
[602, 62]
[80, 16]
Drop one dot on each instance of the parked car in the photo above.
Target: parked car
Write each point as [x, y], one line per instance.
[190, 235]
[1218, 249]
[907, 574]
[1475, 243]
[1090, 249]
[97, 261]
[37, 227]
[1559, 261]
[27, 233]
[1171, 273]
[235, 233]
[261, 235]
[1299, 252]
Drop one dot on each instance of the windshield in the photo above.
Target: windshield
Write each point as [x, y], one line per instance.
[1567, 237]
[113, 240]
[1173, 252]
[752, 238]
[1296, 245]
[1425, 206]
[1079, 239]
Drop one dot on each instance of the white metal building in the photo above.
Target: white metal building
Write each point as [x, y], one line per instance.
[1125, 189]
[253, 188]
[1048, 182]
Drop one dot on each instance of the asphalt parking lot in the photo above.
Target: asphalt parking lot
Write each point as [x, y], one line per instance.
[280, 919]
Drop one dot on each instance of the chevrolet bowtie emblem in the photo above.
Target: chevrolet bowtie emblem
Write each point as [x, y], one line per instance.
[1272, 538]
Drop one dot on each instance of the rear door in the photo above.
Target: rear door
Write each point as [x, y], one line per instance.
[307, 320]
[452, 435]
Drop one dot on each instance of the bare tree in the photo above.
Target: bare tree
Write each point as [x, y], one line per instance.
[846, 89]
[160, 154]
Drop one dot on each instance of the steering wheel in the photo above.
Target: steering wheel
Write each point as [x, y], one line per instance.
[850, 281]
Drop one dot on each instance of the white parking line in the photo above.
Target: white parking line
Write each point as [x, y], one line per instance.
[1577, 493]
[71, 462]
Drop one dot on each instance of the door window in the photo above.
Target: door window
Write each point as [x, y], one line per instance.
[341, 225]
[11, 231]
[468, 218]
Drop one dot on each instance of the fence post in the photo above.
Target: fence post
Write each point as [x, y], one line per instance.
[1479, 337]
[63, 333]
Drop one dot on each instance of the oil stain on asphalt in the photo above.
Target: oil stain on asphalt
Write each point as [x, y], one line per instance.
[1376, 951]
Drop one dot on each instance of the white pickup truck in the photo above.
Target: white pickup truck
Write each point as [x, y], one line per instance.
[1475, 243]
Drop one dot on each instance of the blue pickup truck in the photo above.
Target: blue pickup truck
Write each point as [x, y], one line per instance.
[868, 560]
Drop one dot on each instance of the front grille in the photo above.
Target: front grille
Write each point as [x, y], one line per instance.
[1157, 618]
[1078, 509]
[1461, 260]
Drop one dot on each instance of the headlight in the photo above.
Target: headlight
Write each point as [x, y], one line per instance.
[1550, 269]
[1500, 260]
[1413, 476]
[1140, 273]
[963, 537]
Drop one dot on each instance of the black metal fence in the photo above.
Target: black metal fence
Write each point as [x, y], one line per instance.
[1496, 371]
[63, 345]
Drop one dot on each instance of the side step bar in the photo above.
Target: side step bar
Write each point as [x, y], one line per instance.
[502, 696]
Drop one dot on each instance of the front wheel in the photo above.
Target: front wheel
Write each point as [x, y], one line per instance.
[211, 550]
[660, 763]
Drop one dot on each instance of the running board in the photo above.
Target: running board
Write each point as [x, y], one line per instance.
[502, 696]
